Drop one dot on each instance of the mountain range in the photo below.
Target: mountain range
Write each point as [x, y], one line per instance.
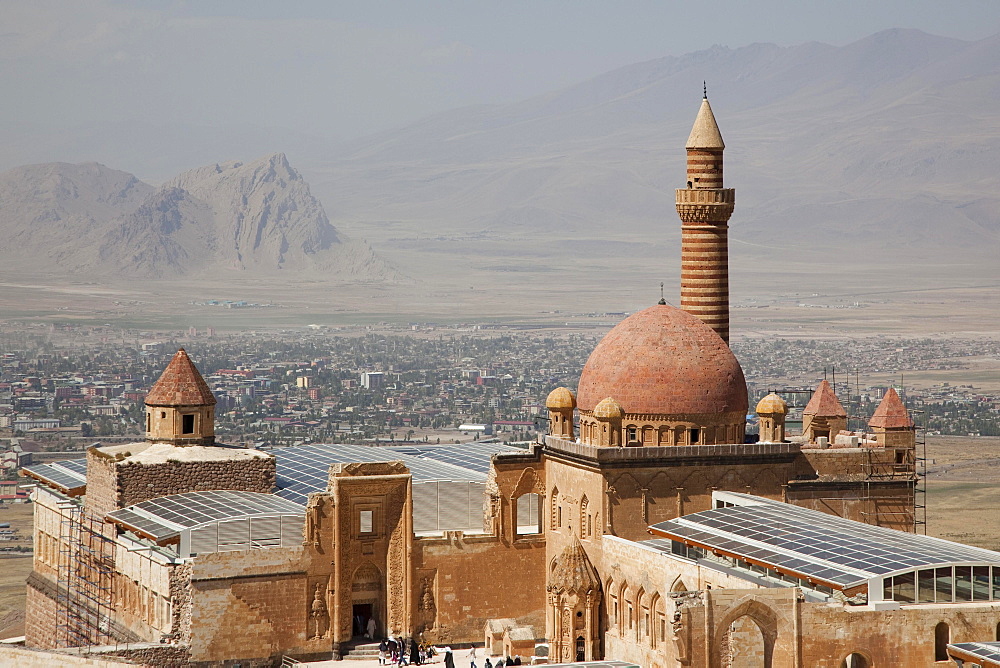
[875, 161]
[881, 152]
[257, 218]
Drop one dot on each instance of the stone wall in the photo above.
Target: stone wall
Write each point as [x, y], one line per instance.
[249, 606]
[140, 482]
[102, 483]
[731, 616]
[30, 658]
[885, 503]
[838, 463]
[471, 579]
[903, 637]
[40, 625]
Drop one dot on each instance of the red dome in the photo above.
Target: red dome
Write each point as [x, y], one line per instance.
[663, 361]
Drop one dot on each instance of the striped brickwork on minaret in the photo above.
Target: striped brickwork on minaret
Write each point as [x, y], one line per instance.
[704, 208]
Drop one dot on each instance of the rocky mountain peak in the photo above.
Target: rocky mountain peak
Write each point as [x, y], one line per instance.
[256, 216]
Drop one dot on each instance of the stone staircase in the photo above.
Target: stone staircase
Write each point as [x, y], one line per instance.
[360, 651]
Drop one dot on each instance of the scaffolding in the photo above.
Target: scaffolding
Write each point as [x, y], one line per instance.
[85, 575]
[910, 466]
[920, 469]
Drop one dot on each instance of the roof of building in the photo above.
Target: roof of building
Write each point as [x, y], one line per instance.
[561, 397]
[705, 133]
[69, 477]
[664, 361]
[608, 408]
[572, 570]
[813, 545]
[306, 468]
[163, 519]
[984, 654]
[824, 403]
[891, 413]
[180, 384]
[772, 404]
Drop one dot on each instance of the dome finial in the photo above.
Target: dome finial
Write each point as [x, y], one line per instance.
[662, 302]
[704, 90]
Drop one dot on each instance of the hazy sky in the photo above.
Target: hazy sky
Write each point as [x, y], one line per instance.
[342, 69]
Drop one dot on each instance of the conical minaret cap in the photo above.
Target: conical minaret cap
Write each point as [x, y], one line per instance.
[891, 413]
[180, 384]
[824, 403]
[705, 133]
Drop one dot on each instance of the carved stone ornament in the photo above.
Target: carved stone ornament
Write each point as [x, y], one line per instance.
[318, 612]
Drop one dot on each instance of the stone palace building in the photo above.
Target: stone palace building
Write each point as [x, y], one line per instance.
[642, 528]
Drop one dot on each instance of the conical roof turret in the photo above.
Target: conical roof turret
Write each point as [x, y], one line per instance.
[180, 384]
[572, 571]
[824, 403]
[705, 133]
[891, 413]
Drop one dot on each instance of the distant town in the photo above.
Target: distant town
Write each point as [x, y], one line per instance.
[63, 387]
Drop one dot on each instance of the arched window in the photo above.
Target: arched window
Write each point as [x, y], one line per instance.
[554, 508]
[942, 636]
[528, 514]
[584, 505]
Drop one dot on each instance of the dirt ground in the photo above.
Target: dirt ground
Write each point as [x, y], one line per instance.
[14, 570]
[963, 490]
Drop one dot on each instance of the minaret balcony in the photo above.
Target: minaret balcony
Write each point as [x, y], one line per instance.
[706, 196]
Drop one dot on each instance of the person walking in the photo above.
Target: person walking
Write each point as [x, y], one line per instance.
[472, 657]
[383, 647]
[449, 660]
[414, 652]
[371, 629]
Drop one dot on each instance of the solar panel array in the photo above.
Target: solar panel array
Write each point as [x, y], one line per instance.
[67, 475]
[305, 468]
[814, 544]
[167, 516]
[472, 456]
[982, 651]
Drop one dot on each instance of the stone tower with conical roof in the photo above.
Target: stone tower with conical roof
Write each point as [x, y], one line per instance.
[704, 208]
[824, 416]
[892, 424]
[180, 408]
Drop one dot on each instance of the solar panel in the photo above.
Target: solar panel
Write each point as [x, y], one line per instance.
[305, 468]
[815, 544]
[167, 516]
[980, 651]
[66, 476]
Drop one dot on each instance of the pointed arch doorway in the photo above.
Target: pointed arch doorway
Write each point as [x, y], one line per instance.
[368, 600]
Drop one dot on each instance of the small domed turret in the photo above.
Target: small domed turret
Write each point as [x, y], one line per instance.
[772, 404]
[608, 416]
[771, 412]
[608, 409]
[561, 403]
[560, 398]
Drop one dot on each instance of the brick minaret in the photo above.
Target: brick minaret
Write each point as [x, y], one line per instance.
[704, 208]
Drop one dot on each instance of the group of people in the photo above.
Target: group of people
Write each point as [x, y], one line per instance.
[397, 651]
[449, 660]
[516, 661]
